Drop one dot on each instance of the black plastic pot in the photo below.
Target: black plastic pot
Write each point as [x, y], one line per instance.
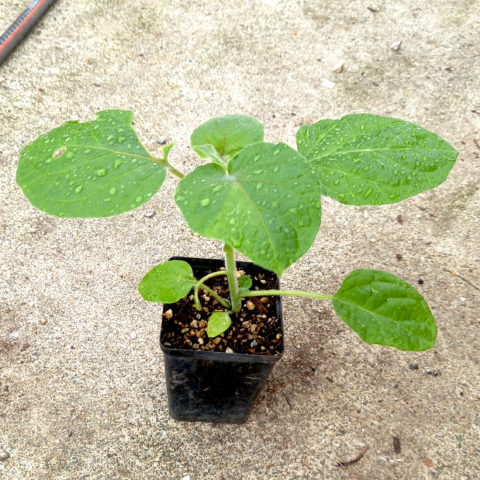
[215, 386]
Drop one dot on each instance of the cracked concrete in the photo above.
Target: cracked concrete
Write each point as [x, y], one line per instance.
[82, 394]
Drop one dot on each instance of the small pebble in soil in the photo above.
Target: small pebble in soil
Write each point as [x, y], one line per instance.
[168, 314]
[43, 321]
[250, 305]
[413, 366]
[420, 281]
[399, 256]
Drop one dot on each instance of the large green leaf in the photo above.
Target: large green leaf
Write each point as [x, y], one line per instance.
[222, 138]
[167, 282]
[371, 160]
[267, 205]
[91, 169]
[383, 309]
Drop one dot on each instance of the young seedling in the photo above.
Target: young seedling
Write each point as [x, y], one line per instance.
[259, 198]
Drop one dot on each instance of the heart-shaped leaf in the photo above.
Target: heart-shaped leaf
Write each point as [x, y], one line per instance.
[222, 138]
[385, 310]
[218, 323]
[245, 282]
[91, 169]
[267, 205]
[371, 160]
[167, 282]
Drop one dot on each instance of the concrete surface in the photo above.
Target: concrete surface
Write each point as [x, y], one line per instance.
[82, 393]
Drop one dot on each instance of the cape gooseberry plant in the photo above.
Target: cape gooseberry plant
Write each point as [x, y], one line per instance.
[261, 199]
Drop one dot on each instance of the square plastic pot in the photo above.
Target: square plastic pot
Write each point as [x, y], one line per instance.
[215, 386]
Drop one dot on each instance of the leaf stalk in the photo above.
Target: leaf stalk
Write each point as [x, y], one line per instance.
[295, 293]
[232, 278]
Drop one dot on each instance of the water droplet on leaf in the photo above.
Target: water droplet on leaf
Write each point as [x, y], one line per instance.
[205, 202]
[101, 172]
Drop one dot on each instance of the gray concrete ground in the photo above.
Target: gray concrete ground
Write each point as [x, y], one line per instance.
[82, 392]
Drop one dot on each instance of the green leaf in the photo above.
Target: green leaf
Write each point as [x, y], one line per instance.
[245, 282]
[222, 138]
[167, 282]
[371, 160]
[91, 169]
[383, 309]
[218, 323]
[267, 205]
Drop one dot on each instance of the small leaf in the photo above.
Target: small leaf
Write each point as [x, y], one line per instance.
[383, 309]
[222, 138]
[245, 282]
[218, 323]
[167, 282]
[91, 169]
[371, 160]
[267, 205]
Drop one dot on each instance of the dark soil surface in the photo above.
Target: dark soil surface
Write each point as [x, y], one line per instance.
[256, 329]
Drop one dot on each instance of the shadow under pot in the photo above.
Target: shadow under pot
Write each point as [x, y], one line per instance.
[205, 381]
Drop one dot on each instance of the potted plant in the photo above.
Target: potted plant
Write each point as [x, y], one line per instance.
[222, 321]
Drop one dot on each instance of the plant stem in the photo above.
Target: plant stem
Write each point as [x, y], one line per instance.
[211, 275]
[169, 167]
[232, 278]
[295, 293]
[200, 284]
[164, 161]
[214, 294]
[174, 171]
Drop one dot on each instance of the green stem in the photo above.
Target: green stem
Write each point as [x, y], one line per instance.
[200, 284]
[295, 293]
[224, 303]
[174, 171]
[211, 275]
[232, 278]
[169, 167]
[164, 161]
